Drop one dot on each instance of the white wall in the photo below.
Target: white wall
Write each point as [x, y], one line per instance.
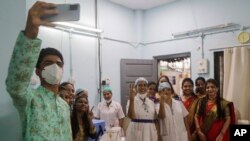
[11, 21]
[123, 24]
[84, 51]
[117, 22]
[184, 15]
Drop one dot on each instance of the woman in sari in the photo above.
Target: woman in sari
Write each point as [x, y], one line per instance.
[190, 101]
[200, 89]
[213, 115]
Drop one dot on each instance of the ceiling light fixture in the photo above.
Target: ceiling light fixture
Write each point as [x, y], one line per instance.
[76, 27]
[206, 30]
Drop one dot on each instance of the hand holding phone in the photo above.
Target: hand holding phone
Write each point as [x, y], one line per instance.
[66, 12]
[34, 18]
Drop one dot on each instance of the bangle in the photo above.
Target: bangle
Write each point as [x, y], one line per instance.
[198, 129]
[222, 133]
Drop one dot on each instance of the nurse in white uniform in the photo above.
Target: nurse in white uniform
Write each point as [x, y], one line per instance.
[142, 112]
[174, 126]
[111, 112]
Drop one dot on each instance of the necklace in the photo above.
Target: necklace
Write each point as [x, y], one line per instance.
[108, 103]
[144, 104]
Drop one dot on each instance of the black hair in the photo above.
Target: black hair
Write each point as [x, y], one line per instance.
[200, 78]
[48, 51]
[166, 77]
[66, 83]
[152, 83]
[188, 80]
[204, 101]
[62, 86]
[163, 76]
[75, 125]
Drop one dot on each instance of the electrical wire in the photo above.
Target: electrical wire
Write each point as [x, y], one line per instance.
[99, 53]
[70, 57]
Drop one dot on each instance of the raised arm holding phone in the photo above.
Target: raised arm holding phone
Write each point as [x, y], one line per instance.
[38, 10]
[44, 115]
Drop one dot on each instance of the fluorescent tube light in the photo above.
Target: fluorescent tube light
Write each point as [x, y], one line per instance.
[76, 27]
[205, 30]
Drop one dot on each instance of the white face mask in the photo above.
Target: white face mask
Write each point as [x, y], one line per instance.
[142, 96]
[52, 74]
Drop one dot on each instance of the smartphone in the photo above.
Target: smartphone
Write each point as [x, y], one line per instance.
[67, 12]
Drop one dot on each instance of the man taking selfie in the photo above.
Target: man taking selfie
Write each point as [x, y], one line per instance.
[44, 115]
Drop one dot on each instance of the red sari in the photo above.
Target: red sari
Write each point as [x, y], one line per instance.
[191, 105]
[212, 126]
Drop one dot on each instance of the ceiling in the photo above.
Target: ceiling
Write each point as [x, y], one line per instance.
[141, 4]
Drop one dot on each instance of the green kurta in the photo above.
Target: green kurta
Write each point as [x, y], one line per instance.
[44, 116]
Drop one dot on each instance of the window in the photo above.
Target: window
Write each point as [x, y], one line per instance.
[176, 67]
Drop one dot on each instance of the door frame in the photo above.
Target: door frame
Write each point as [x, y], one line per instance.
[125, 81]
